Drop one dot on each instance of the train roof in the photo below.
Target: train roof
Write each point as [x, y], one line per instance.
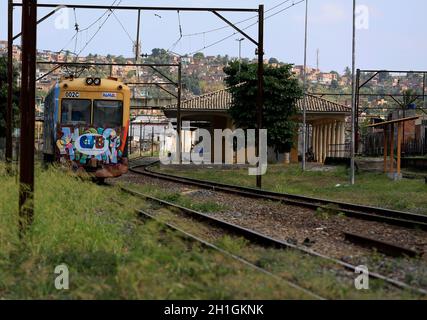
[107, 84]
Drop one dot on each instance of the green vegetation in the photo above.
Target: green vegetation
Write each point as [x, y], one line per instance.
[3, 97]
[370, 189]
[110, 253]
[281, 93]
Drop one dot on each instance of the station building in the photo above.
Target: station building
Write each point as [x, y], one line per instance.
[326, 123]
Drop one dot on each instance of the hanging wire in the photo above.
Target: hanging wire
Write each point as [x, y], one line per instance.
[76, 28]
[245, 28]
[73, 38]
[239, 22]
[124, 28]
[111, 11]
[180, 34]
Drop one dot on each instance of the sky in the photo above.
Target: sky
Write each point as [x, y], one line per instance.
[391, 34]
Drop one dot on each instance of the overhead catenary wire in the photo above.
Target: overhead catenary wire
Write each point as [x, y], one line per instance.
[245, 28]
[81, 30]
[111, 11]
[123, 28]
[236, 23]
[173, 46]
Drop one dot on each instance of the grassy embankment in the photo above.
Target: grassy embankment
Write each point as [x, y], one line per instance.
[110, 253]
[113, 255]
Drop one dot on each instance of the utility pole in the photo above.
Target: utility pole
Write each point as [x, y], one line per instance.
[260, 96]
[138, 26]
[9, 110]
[137, 49]
[28, 86]
[304, 107]
[317, 59]
[178, 115]
[353, 104]
[240, 53]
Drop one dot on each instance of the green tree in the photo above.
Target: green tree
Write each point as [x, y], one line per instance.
[336, 74]
[192, 83]
[121, 59]
[198, 56]
[273, 61]
[347, 72]
[409, 97]
[3, 97]
[281, 92]
[131, 74]
[334, 84]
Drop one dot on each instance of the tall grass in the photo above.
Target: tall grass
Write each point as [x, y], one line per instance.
[109, 252]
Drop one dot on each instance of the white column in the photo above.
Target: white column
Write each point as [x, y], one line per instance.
[321, 135]
[333, 139]
[317, 142]
[329, 139]
[325, 142]
[337, 137]
[342, 137]
[313, 139]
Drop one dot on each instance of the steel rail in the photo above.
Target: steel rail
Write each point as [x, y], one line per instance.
[145, 215]
[393, 217]
[265, 240]
[384, 247]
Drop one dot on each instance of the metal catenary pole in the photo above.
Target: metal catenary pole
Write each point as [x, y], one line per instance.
[9, 110]
[353, 104]
[240, 53]
[178, 115]
[137, 37]
[28, 81]
[304, 106]
[152, 141]
[356, 120]
[260, 96]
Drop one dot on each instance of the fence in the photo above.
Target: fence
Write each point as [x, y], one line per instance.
[339, 150]
[144, 138]
[373, 146]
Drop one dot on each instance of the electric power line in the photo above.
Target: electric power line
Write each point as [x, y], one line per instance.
[239, 22]
[84, 29]
[249, 26]
[124, 29]
[97, 31]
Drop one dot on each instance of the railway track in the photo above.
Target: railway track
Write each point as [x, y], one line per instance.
[146, 215]
[369, 213]
[266, 241]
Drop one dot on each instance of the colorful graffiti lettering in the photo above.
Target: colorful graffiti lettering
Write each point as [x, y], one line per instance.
[89, 144]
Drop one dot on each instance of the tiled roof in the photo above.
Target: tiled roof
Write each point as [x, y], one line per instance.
[220, 100]
[317, 104]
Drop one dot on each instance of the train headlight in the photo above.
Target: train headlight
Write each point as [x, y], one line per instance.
[97, 81]
[89, 81]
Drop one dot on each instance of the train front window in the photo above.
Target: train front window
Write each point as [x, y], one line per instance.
[75, 111]
[107, 113]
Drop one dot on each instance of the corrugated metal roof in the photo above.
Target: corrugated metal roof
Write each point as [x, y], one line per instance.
[221, 100]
